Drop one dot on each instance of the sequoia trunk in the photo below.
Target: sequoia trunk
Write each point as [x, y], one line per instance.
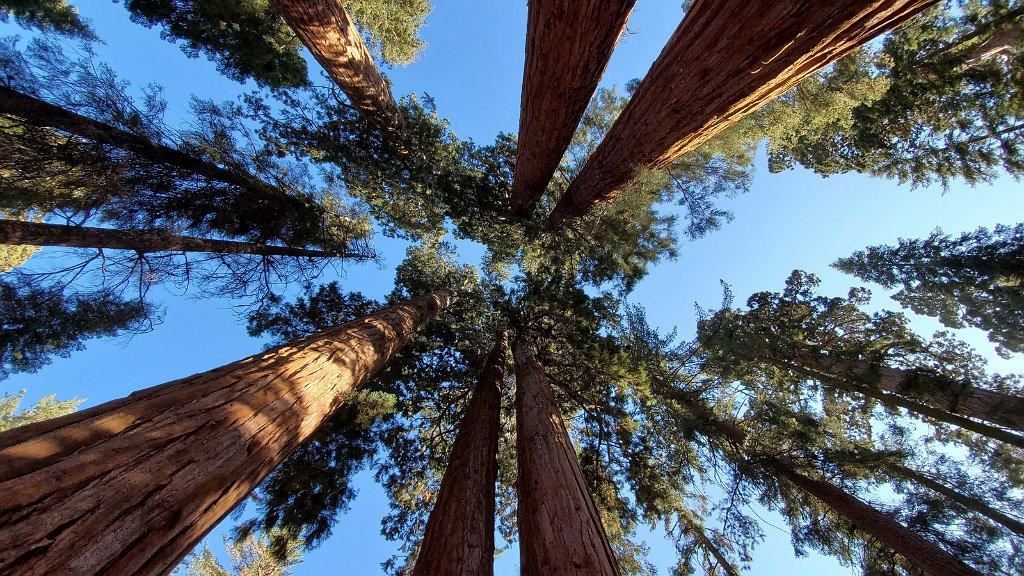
[930, 558]
[17, 232]
[726, 59]
[560, 531]
[130, 486]
[459, 538]
[326, 28]
[568, 45]
[955, 396]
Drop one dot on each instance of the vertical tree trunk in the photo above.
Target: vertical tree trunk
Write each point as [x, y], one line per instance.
[326, 28]
[955, 396]
[18, 232]
[879, 526]
[130, 486]
[39, 113]
[568, 44]
[726, 59]
[459, 538]
[560, 531]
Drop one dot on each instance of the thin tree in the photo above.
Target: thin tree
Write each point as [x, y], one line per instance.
[21, 233]
[332, 37]
[560, 530]
[459, 537]
[568, 45]
[725, 60]
[130, 486]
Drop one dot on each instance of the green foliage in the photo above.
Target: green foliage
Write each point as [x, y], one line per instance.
[54, 15]
[976, 279]
[247, 39]
[45, 408]
[37, 322]
[251, 556]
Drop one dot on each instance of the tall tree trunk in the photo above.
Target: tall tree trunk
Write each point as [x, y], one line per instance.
[916, 407]
[973, 504]
[958, 397]
[459, 538]
[130, 486]
[560, 531]
[725, 60]
[39, 113]
[568, 45]
[326, 28]
[21, 233]
[875, 524]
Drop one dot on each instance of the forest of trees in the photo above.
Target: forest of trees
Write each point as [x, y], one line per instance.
[531, 398]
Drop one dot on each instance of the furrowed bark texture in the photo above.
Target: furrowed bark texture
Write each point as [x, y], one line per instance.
[934, 390]
[568, 45]
[130, 486]
[560, 531]
[40, 113]
[922, 553]
[17, 232]
[459, 538]
[726, 59]
[329, 33]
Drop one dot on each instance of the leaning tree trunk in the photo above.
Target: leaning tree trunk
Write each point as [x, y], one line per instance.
[568, 44]
[130, 486]
[935, 390]
[875, 524]
[39, 113]
[560, 531]
[459, 538]
[21, 233]
[326, 28]
[969, 502]
[726, 59]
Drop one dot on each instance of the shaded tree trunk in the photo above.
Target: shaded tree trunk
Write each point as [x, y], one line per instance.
[130, 486]
[725, 60]
[875, 524]
[973, 504]
[568, 45]
[329, 33]
[916, 407]
[39, 113]
[459, 538]
[560, 531]
[955, 396]
[18, 232]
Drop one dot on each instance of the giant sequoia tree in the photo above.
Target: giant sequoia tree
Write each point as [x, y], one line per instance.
[798, 404]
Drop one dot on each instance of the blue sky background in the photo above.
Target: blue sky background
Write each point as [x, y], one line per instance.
[473, 67]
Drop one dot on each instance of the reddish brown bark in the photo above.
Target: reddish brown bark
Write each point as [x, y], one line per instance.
[918, 551]
[459, 538]
[726, 59]
[326, 28]
[568, 45]
[17, 232]
[560, 531]
[934, 390]
[39, 113]
[130, 486]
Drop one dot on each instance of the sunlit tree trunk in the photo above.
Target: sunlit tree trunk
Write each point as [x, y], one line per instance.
[459, 538]
[326, 28]
[956, 396]
[39, 113]
[568, 44]
[17, 232]
[560, 531]
[725, 60]
[881, 527]
[130, 486]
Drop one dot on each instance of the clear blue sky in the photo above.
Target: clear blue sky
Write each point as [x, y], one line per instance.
[473, 67]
